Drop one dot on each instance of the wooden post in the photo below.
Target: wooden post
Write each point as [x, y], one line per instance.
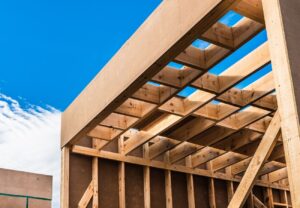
[168, 184]
[122, 202]
[261, 155]
[65, 164]
[283, 29]
[190, 184]
[95, 173]
[147, 202]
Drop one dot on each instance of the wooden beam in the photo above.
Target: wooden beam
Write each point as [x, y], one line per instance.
[140, 137]
[147, 200]
[87, 196]
[95, 176]
[65, 177]
[258, 203]
[122, 203]
[283, 29]
[261, 155]
[212, 193]
[161, 165]
[89, 108]
[190, 185]
[251, 9]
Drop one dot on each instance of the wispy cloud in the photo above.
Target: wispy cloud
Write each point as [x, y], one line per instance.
[29, 139]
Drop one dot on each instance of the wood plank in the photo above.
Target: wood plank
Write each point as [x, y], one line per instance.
[95, 176]
[258, 203]
[121, 182]
[261, 155]
[168, 186]
[65, 177]
[251, 9]
[147, 200]
[283, 30]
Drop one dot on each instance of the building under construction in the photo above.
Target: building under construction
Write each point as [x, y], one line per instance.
[158, 127]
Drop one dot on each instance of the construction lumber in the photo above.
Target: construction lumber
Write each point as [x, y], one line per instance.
[261, 155]
[283, 28]
[89, 109]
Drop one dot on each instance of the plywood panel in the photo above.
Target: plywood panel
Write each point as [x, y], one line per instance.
[179, 190]
[80, 177]
[108, 184]
[221, 193]
[157, 188]
[134, 186]
[201, 185]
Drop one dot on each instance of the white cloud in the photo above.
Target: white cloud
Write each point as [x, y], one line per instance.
[29, 140]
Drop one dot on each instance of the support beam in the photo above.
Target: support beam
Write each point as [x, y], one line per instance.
[261, 155]
[65, 177]
[168, 187]
[159, 48]
[283, 30]
[190, 185]
[95, 176]
[122, 185]
[164, 165]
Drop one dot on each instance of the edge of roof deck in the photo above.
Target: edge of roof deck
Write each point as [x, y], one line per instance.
[166, 32]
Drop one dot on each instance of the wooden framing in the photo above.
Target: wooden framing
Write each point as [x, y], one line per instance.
[146, 144]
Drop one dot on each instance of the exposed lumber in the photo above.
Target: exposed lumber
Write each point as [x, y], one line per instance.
[258, 203]
[147, 187]
[95, 174]
[162, 145]
[193, 57]
[251, 9]
[245, 29]
[159, 51]
[238, 71]
[154, 94]
[219, 34]
[138, 138]
[118, 121]
[182, 150]
[212, 193]
[205, 155]
[283, 28]
[226, 160]
[87, 196]
[105, 133]
[252, 92]
[243, 118]
[135, 108]
[216, 111]
[190, 185]
[184, 106]
[65, 177]
[261, 155]
[168, 186]
[278, 175]
[162, 165]
[122, 185]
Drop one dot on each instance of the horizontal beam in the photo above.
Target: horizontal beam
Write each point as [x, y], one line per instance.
[162, 165]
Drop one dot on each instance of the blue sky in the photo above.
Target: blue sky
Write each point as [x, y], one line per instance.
[51, 49]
